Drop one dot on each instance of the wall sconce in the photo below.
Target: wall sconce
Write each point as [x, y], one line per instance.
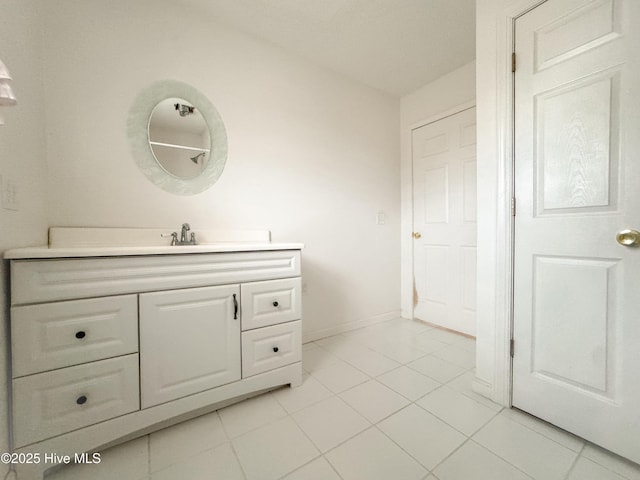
[7, 98]
[183, 109]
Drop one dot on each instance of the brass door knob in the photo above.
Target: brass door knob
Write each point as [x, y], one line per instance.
[416, 235]
[628, 238]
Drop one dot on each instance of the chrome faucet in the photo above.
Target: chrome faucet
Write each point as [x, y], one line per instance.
[184, 233]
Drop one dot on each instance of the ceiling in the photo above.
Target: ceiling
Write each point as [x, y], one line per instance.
[396, 46]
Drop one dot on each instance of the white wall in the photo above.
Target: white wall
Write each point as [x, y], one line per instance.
[455, 88]
[22, 158]
[312, 156]
[447, 92]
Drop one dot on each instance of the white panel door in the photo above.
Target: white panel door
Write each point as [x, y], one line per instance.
[577, 184]
[189, 342]
[444, 222]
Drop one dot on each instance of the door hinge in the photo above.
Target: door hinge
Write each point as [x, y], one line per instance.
[513, 206]
[511, 347]
[513, 62]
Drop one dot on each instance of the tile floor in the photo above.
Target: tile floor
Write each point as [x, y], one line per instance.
[392, 401]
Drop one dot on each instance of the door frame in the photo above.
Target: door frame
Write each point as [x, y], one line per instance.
[408, 273]
[501, 390]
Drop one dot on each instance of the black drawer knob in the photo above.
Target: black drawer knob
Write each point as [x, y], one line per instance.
[81, 334]
[275, 349]
[275, 304]
[81, 400]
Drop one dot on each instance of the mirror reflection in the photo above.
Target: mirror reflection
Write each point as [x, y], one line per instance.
[179, 138]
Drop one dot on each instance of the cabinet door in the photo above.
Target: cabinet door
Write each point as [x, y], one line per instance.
[189, 342]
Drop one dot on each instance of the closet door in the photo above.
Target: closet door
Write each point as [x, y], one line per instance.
[189, 342]
[444, 221]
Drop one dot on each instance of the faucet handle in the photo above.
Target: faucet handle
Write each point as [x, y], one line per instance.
[174, 237]
[192, 240]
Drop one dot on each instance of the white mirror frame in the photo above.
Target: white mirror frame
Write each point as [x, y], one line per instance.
[138, 135]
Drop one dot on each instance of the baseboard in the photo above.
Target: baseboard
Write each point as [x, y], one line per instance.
[349, 326]
[482, 388]
[446, 329]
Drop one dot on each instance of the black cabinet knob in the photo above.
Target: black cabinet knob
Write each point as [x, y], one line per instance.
[81, 400]
[275, 349]
[81, 334]
[275, 304]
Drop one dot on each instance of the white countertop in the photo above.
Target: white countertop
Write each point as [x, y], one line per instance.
[83, 252]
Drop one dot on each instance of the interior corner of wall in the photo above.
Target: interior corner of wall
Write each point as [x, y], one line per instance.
[482, 387]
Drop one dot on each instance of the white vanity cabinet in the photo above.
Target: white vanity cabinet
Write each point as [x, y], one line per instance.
[107, 348]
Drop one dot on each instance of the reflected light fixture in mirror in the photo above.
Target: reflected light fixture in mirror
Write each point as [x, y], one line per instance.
[7, 98]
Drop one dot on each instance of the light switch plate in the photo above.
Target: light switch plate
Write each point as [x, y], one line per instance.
[9, 194]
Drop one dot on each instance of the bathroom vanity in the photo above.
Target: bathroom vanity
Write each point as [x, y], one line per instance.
[108, 344]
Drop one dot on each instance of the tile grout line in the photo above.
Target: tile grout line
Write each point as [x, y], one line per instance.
[623, 475]
[468, 437]
[430, 471]
[287, 415]
[495, 414]
[465, 370]
[314, 402]
[534, 431]
[544, 422]
[149, 455]
[574, 463]
[401, 447]
[321, 453]
[235, 454]
[272, 421]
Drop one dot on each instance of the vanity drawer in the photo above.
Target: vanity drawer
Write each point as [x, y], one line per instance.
[267, 348]
[55, 335]
[51, 403]
[271, 302]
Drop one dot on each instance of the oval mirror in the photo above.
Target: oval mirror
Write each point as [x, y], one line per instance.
[177, 137]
